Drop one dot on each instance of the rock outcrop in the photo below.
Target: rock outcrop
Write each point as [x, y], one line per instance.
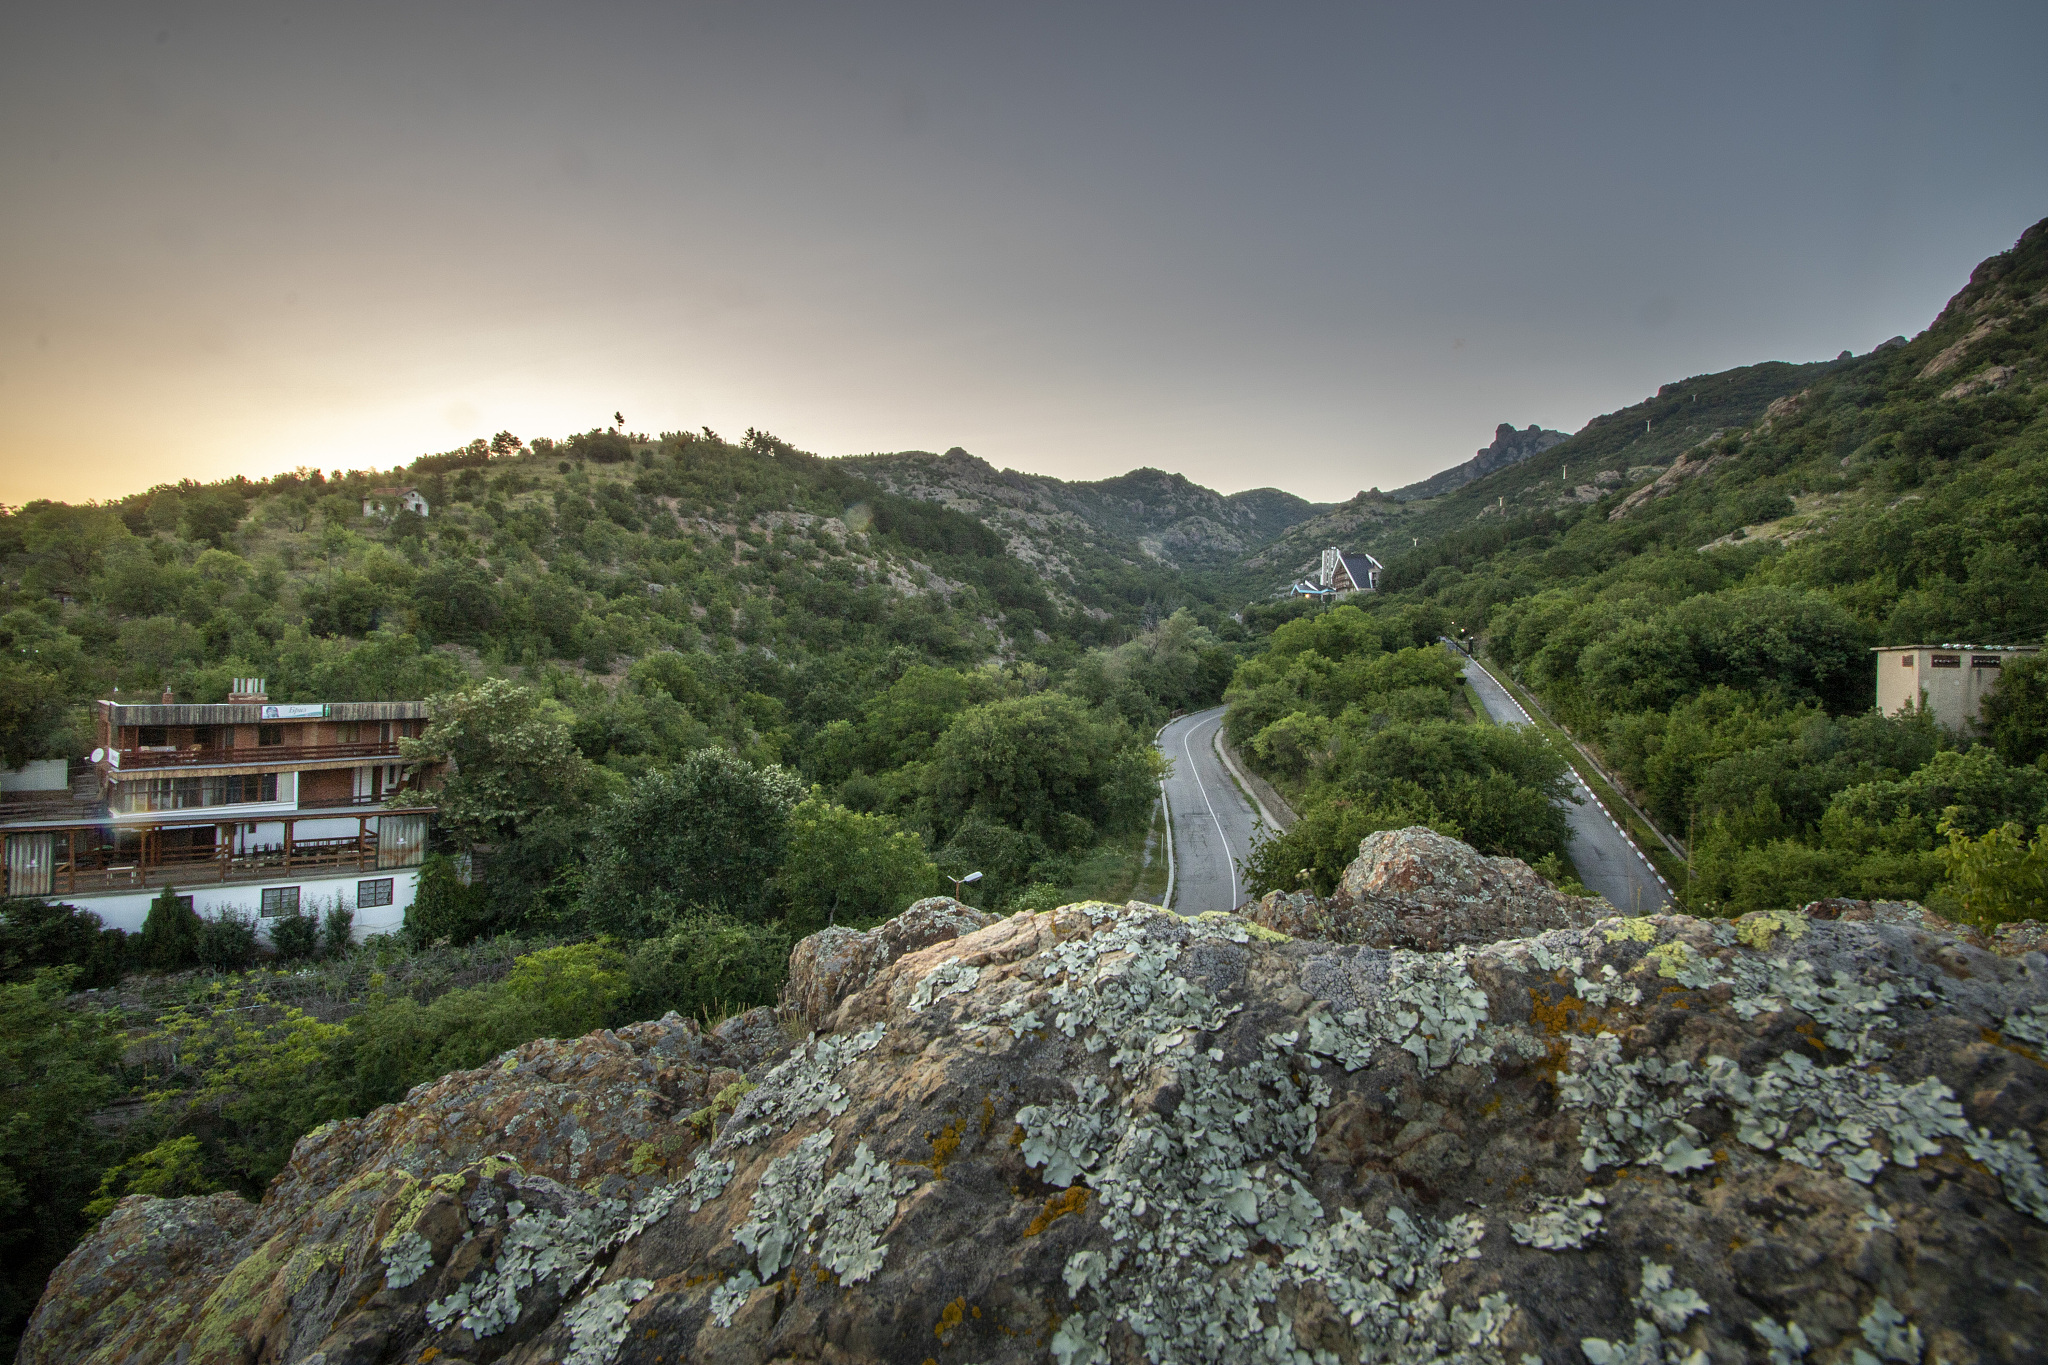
[1509, 446]
[832, 964]
[1414, 888]
[1106, 1133]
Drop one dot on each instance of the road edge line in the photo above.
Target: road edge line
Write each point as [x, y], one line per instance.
[1166, 807]
[1265, 816]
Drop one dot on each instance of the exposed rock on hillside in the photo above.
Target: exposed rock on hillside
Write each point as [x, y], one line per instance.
[1509, 447]
[1106, 1133]
[832, 964]
[1414, 888]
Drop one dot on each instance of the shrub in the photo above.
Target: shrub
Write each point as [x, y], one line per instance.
[167, 1170]
[709, 966]
[227, 942]
[443, 908]
[295, 936]
[338, 928]
[170, 934]
[35, 934]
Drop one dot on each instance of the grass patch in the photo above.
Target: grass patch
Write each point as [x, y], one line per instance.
[1132, 868]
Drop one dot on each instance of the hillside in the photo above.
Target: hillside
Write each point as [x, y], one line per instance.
[1698, 599]
[1174, 521]
[1508, 447]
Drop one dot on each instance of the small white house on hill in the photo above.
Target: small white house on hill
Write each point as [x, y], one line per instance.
[1343, 572]
[385, 502]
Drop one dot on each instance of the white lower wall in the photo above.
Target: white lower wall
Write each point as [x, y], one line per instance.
[127, 909]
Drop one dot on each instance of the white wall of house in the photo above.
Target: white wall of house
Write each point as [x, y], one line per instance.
[127, 909]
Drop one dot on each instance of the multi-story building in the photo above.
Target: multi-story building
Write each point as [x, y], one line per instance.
[1950, 681]
[248, 805]
[1342, 573]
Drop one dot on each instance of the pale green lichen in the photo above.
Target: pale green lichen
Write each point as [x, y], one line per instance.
[1889, 1334]
[734, 1291]
[406, 1256]
[1758, 929]
[950, 977]
[1665, 1307]
[2029, 1026]
[781, 1206]
[1184, 1194]
[597, 1324]
[1642, 930]
[805, 1084]
[858, 1204]
[1562, 1224]
[707, 1180]
[1787, 1344]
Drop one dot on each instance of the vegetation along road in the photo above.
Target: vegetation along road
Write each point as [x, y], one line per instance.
[1608, 863]
[1210, 818]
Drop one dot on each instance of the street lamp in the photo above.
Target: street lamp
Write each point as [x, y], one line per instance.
[959, 882]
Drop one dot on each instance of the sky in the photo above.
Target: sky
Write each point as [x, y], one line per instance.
[1315, 246]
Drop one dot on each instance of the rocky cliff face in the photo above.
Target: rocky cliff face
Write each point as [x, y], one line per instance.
[1509, 447]
[1106, 1133]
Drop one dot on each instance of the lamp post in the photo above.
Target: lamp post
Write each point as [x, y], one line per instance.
[958, 882]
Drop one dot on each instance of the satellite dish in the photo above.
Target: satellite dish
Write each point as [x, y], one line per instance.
[99, 755]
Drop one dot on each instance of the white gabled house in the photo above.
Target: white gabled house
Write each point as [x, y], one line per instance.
[385, 502]
[1343, 572]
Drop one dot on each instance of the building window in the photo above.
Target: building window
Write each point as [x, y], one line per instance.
[1905, 661]
[280, 900]
[185, 904]
[1948, 661]
[1984, 661]
[371, 893]
[270, 734]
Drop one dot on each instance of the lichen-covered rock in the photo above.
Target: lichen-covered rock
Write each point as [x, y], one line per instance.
[832, 964]
[595, 1119]
[2008, 940]
[1107, 1133]
[1414, 888]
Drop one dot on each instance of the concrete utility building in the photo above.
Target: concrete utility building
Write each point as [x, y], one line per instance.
[1951, 681]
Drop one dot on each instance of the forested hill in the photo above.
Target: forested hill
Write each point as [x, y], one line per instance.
[1166, 516]
[1698, 599]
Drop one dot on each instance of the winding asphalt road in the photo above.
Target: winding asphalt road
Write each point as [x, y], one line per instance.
[1211, 819]
[1608, 863]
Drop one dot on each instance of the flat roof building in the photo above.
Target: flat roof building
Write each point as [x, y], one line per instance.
[1948, 681]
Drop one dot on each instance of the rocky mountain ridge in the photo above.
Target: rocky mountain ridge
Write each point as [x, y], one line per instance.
[1509, 447]
[1106, 1133]
[1167, 516]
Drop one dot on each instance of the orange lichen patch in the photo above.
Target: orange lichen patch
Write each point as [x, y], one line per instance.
[1997, 1039]
[429, 1354]
[944, 1144]
[1017, 1136]
[1073, 1199]
[1566, 1014]
[988, 1114]
[974, 1313]
[825, 1276]
[949, 1319]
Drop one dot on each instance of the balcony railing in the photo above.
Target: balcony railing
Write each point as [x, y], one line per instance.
[68, 863]
[264, 755]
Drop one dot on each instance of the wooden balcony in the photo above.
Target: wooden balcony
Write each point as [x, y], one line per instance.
[81, 861]
[282, 757]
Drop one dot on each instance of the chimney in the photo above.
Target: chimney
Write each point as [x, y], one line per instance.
[167, 696]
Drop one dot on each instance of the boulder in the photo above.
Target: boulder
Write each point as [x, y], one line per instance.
[832, 964]
[2008, 940]
[1417, 889]
[1108, 1133]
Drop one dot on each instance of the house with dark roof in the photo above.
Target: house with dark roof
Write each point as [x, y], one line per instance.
[1343, 572]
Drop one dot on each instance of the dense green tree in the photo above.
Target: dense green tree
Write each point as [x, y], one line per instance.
[510, 761]
[707, 833]
[2016, 715]
[1045, 765]
[169, 941]
[840, 863]
[56, 1072]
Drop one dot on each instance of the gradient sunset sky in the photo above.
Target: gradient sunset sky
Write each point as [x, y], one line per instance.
[1323, 247]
